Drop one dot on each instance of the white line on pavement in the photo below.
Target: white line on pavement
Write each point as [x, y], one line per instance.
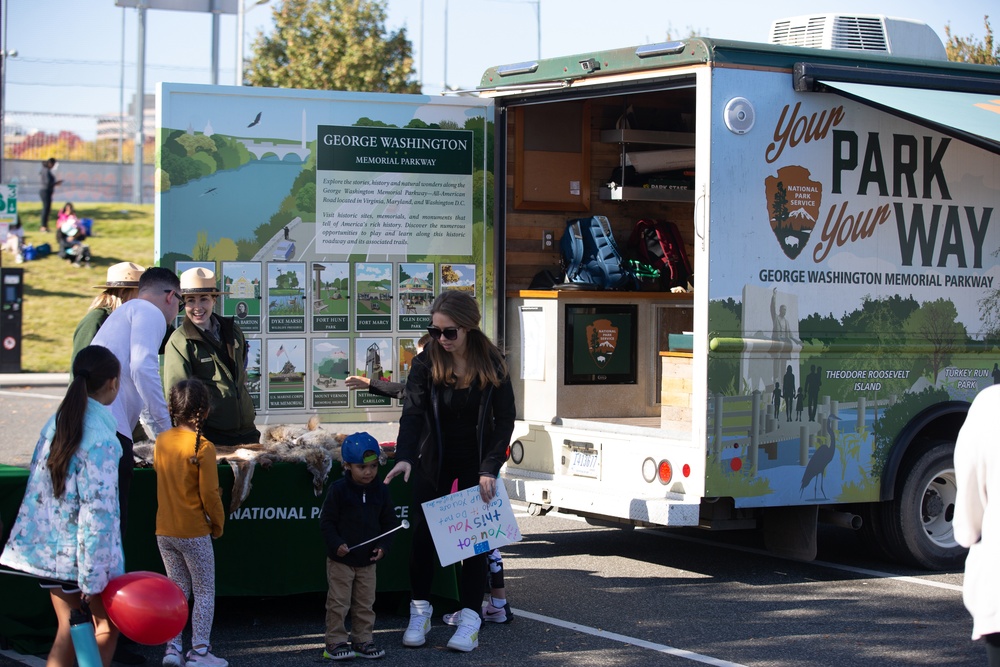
[641, 643]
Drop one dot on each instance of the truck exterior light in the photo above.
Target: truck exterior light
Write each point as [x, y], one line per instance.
[665, 471]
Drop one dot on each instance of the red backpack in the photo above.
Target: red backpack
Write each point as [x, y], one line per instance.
[659, 244]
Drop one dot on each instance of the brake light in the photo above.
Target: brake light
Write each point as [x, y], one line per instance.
[665, 472]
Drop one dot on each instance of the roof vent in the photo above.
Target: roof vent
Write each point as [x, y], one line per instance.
[872, 33]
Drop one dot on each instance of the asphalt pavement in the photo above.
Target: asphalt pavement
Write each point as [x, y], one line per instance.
[592, 596]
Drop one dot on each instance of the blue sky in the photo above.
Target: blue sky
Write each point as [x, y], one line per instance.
[70, 51]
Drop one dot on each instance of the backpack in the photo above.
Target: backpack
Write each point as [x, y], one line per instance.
[659, 243]
[590, 254]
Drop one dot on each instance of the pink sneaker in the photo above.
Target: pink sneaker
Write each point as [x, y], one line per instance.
[206, 659]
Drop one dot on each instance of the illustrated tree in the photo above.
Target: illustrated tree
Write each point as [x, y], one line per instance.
[989, 307]
[936, 324]
[779, 207]
[332, 45]
[448, 275]
[970, 49]
[876, 352]
[201, 250]
[305, 200]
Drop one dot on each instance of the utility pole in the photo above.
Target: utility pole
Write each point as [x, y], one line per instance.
[140, 105]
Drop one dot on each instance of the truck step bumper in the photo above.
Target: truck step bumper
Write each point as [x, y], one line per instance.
[666, 510]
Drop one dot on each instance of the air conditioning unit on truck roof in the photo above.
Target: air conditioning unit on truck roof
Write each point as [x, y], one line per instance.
[872, 33]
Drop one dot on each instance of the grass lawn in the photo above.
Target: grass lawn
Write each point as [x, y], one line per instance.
[56, 294]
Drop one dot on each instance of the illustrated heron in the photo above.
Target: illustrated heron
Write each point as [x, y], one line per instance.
[816, 468]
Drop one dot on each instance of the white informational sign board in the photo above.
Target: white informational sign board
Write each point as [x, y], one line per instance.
[463, 526]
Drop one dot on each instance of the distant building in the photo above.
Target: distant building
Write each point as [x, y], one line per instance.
[109, 126]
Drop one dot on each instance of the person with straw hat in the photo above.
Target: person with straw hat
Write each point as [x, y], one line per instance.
[121, 285]
[214, 350]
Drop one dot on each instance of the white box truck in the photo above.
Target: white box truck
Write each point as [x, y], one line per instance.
[838, 210]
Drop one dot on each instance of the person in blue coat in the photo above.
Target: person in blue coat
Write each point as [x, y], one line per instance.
[67, 530]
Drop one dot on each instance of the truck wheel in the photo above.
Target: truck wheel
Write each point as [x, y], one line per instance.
[917, 524]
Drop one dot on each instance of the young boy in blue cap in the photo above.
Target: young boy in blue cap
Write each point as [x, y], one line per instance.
[357, 509]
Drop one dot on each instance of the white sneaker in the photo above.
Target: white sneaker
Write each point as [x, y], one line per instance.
[173, 657]
[195, 659]
[420, 623]
[495, 614]
[466, 637]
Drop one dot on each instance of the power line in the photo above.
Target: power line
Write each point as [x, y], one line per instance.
[104, 63]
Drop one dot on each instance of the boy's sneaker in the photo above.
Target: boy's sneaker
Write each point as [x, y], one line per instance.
[368, 650]
[206, 659]
[420, 623]
[494, 614]
[466, 637]
[173, 657]
[341, 651]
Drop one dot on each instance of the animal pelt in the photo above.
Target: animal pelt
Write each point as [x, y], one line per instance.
[310, 444]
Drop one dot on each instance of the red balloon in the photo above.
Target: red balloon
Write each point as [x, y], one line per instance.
[146, 606]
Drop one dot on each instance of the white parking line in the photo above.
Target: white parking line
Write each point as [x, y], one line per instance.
[614, 636]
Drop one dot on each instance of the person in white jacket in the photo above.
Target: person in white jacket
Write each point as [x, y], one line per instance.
[134, 332]
[977, 523]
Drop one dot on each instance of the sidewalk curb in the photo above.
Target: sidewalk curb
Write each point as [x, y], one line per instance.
[34, 379]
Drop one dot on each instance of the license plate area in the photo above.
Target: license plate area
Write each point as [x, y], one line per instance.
[581, 459]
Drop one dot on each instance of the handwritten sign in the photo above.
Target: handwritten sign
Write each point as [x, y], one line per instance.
[463, 526]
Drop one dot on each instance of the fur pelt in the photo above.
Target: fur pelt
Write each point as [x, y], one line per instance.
[310, 444]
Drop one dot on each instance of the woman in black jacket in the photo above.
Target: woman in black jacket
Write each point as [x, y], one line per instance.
[458, 416]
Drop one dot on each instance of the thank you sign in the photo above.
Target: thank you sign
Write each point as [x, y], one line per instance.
[463, 526]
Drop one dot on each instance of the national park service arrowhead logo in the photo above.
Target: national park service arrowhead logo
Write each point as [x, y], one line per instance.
[602, 339]
[793, 201]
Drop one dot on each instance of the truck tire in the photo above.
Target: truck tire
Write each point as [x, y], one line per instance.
[915, 527]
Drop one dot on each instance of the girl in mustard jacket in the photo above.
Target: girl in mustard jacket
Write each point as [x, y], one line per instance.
[189, 516]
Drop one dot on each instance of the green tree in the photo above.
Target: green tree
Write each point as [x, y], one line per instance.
[333, 45]
[305, 200]
[936, 328]
[971, 50]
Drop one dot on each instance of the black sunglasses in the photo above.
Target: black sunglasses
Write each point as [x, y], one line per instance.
[451, 333]
[180, 299]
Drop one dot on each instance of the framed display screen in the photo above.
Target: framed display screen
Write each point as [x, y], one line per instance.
[601, 344]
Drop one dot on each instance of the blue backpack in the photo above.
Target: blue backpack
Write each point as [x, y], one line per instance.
[590, 255]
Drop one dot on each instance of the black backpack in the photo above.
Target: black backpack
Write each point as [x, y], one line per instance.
[659, 243]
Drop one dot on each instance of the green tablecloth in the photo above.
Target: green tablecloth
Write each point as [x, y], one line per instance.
[271, 546]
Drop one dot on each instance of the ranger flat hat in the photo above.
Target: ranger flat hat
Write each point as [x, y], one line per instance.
[199, 281]
[123, 274]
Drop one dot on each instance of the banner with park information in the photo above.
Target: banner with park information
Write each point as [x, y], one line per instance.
[332, 221]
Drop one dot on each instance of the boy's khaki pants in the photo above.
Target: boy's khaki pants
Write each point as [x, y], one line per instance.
[350, 589]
